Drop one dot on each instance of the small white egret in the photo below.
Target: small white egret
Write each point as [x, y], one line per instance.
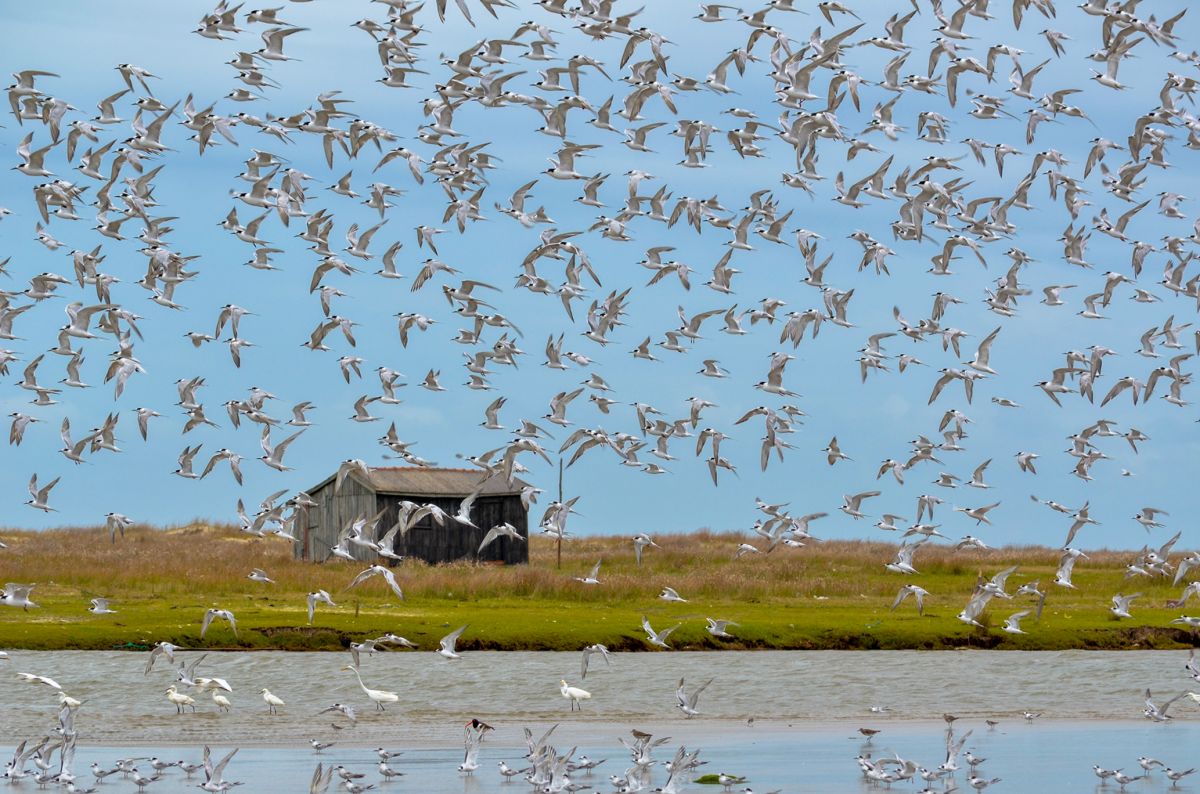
[574, 694]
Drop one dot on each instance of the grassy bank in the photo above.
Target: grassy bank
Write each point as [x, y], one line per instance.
[832, 595]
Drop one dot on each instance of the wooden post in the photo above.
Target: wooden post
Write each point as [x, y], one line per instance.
[560, 498]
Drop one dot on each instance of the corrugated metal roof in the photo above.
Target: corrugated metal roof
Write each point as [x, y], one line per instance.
[426, 481]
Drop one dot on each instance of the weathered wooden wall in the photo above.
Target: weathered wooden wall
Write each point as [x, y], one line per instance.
[333, 511]
[432, 543]
[318, 527]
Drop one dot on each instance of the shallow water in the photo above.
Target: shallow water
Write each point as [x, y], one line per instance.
[1043, 757]
[436, 695]
[806, 708]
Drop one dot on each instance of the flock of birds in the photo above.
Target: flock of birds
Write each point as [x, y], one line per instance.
[548, 768]
[888, 770]
[797, 59]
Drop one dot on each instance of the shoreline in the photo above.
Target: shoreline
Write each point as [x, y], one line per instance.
[924, 645]
[494, 624]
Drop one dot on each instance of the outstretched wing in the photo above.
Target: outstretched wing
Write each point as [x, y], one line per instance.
[362, 577]
[491, 535]
[208, 618]
[450, 639]
[695, 696]
[219, 769]
[1167, 705]
[154, 653]
[320, 779]
[1001, 577]
[390, 578]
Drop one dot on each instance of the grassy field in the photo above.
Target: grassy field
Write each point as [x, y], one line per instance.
[832, 595]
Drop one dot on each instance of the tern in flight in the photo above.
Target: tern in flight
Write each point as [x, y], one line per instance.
[587, 653]
[657, 637]
[379, 570]
[446, 646]
[591, 578]
[218, 614]
[318, 596]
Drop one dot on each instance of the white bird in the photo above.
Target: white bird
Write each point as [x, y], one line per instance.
[221, 701]
[592, 577]
[446, 646]
[1159, 713]
[1012, 623]
[687, 703]
[852, 503]
[717, 628]
[472, 738]
[100, 607]
[17, 595]
[259, 575]
[273, 455]
[1176, 775]
[504, 530]
[917, 592]
[640, 542]
[657, 637]
[39, 679]
[587, 652]
[1120, 604]
[273, 701]
[318, 596]
[378, 696]
[180, 700]
[214, 780]
[215, 614]
[160, 649]
[114, 523]
[574, 694]
[669, 594]
[379, 570]
[39, 497]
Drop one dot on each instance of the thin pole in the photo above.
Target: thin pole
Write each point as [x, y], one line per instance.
[560, 498]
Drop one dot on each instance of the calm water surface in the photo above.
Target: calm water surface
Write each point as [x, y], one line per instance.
[806, 708]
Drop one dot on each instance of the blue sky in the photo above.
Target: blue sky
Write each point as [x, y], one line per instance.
[872, 421]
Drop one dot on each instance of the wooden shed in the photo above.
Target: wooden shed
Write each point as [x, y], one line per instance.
[498, 502]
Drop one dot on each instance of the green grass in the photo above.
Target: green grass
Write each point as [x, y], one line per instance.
[832, 595]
